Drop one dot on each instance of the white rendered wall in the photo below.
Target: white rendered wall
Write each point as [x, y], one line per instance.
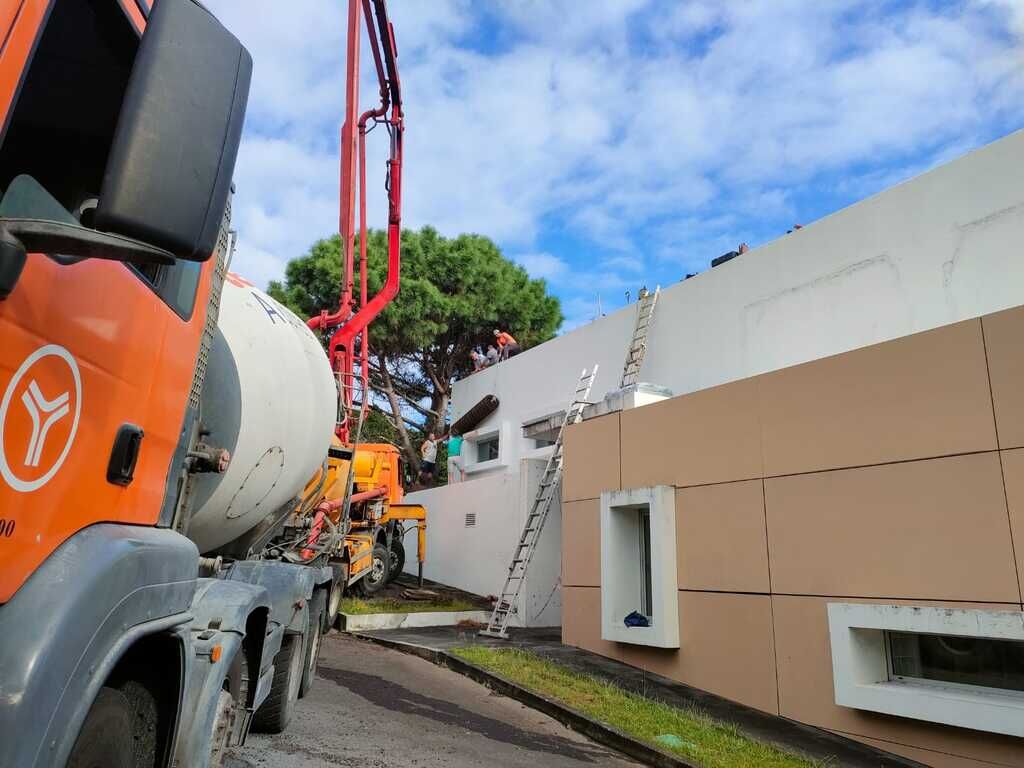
[940, 248]
[476, 558]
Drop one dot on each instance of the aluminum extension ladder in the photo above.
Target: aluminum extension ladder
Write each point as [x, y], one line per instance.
[523, 554]
[638, 346]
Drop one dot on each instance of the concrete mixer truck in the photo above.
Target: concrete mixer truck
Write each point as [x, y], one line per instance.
[181, 497]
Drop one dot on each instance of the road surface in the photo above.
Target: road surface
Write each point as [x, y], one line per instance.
[373, 707]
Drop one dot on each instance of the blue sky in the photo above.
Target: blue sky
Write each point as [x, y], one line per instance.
[613, 143]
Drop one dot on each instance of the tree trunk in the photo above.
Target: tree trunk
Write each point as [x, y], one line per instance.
[412, 456]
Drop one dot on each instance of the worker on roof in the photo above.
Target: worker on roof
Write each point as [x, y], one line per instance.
[492, 354]
[507, 344]
[479, 361]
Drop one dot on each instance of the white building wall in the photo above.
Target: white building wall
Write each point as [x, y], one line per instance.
[940, 248]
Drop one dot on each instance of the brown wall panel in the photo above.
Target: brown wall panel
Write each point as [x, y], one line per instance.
[591, 458]
[726, 647]
[923, 756]
[581, 543]
[806, 692]
[934, 529]
[1004, 343]
[711, 436]
[1013, 474]
[918, 396]
[720, 538]
[725, 643]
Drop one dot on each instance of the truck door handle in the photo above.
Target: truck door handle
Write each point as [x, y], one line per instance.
[125, 454]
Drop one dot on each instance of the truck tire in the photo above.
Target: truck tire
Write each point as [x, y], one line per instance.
[106, 740]
[313, 636]
[223, 723]
[337, 593]
[380, 567]
[397, 559]
[276, 712]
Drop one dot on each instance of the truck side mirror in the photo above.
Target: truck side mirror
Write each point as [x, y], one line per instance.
[173, 156]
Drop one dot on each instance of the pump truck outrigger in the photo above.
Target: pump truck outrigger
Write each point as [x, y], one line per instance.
[179, 510]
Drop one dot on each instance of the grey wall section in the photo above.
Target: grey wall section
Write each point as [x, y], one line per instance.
[66, 628]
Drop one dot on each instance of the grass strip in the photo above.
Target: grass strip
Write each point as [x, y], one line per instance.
[687, 733]
[359, 606]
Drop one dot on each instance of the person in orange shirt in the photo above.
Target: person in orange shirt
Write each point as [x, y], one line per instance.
[507, 345]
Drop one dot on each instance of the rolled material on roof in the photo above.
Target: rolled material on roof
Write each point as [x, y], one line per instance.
[472, 418]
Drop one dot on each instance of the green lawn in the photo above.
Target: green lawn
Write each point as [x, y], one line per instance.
[355, 605]
[687, 733]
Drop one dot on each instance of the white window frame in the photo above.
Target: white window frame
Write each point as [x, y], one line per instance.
[470, 441]
[621, 572]
[861, 669]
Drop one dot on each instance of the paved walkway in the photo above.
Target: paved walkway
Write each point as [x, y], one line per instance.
[373, 707]
[835, 751]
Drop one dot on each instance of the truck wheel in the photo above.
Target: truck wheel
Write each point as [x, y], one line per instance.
[223, 724]
[275, 713]
[377, 578]
[105, 740]
[316, 628]
[337, 593]
[397, 559]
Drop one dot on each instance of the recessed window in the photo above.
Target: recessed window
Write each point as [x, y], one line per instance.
[639, 590]
[487, 449]
[977, 661]
[942, 665]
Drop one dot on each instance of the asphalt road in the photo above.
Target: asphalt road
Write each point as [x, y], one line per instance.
[374, 707]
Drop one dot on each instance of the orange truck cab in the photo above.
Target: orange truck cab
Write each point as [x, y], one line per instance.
[120, 129]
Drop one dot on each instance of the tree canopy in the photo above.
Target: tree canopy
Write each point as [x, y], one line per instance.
[453, 293]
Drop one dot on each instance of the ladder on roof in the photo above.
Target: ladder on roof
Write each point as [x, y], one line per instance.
[638, 346]
[523, 553]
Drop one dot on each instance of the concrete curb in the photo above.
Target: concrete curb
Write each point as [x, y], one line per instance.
[592, 729]
[363, 622]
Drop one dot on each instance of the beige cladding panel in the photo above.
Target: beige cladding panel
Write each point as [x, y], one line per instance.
[924, 756]
[915, 397]
[1013, 474]
[806, 692]
[710, 436]
[1004, 344]
[581, 543]
[591, 458]
[726, 647]
[934, 529]
[720, 538]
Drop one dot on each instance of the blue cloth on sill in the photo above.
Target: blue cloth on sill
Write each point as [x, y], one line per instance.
[636, 619]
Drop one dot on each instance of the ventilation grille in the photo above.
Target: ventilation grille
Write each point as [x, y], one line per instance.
[225, 245]
[470, 519]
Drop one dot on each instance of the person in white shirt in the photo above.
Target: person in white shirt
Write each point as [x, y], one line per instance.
[428, 454]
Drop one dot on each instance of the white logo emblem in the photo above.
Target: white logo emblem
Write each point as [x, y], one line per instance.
[50, 363]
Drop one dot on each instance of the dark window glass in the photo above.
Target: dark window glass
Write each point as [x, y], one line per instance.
[487, 450]
[964, 660]
[646, 591]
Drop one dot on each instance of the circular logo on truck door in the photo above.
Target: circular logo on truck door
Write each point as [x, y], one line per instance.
[39, 418]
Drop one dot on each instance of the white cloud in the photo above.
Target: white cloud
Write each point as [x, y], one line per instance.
[654, 130]
[543, 265]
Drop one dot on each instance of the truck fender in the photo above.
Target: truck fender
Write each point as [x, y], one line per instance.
[225, 614]
[289, 587]
[64, 631]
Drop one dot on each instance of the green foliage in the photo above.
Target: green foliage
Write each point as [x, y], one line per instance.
[453, 293]
[691, 734]
[355, 606]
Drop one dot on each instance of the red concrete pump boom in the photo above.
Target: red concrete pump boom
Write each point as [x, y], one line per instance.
[351, 320]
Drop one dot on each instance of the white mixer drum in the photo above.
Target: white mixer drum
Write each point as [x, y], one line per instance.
[270, 399]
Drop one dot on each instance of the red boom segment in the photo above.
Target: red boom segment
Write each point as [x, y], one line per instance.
[342, 346]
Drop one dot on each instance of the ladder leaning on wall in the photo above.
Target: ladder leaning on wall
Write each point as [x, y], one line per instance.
[645, 304]
[523, 553]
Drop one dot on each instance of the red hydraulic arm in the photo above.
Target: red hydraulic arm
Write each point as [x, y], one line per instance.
[351, 320]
